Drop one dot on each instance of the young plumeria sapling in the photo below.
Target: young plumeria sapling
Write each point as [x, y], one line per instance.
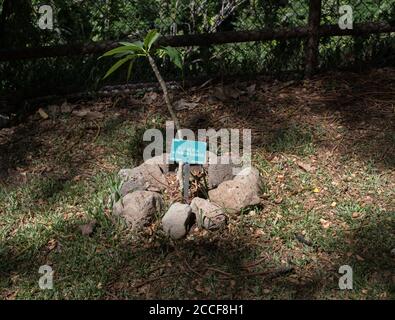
[128, 52]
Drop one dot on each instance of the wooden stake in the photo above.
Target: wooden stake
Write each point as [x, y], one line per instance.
[187, 172]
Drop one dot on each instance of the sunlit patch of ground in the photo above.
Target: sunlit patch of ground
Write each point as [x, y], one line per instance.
[325, 149]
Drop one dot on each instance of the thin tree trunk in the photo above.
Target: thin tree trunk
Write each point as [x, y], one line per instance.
[173, 115]
[165, 94]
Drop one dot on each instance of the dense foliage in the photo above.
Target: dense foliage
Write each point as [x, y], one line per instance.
[96, 20]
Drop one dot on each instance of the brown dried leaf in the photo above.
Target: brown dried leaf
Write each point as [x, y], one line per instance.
[306, 167]
[87, 229]
[150, 97]
[42, 113]
[325, 224]
[184, 105]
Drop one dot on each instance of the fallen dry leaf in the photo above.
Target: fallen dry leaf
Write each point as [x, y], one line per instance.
[184, 105]
[251, 89]
[52, 244]
[278, 200]
[87, 229]
[356, 215]
[150, 97]
[89, 115]
[306, 167]
[359, 258]
[80, 113]
[42, 113]
[94, 115]
[325, 224]
[66, 108]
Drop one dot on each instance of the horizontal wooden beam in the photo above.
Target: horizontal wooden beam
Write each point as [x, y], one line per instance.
[196, 40]
[359, 29]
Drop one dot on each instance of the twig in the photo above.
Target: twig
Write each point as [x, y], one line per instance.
[221, 272]
[156, 279]
[192, 270]
[98, 130]
[271, 274]
[255, 263]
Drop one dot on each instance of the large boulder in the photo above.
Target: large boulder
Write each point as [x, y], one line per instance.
[144, 177]
[208, 215]
[138, 208]
[223, 169]
[132, 185]
[239, 193]
[177, 220]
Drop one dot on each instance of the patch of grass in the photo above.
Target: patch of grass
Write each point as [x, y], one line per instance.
[294, 139]
[126, 139]
[343, 207]
[50, 235]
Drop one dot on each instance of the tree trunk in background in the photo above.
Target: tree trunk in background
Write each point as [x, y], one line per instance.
[16, 25]
[5, 12]
[312, 47]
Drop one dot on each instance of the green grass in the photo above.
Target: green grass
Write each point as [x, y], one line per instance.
[89, 267]
[40, 221]
[294, 139]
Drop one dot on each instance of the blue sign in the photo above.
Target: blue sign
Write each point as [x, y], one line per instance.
[187, 151]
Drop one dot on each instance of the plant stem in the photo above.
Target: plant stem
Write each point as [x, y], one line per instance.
[166, 95]
[172, 114]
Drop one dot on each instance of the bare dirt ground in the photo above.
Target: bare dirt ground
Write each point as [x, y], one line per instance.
[324, 147]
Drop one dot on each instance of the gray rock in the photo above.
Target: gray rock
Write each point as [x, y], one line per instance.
[144, 177]
[251, 176]
[132, 186]
[4, 121]
[177, 220]
[138, 208]
[239, 193]
[163, 161]
[222, 170]
[208, 215]
[124, 174]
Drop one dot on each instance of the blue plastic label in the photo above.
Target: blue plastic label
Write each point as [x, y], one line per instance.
[187, 151]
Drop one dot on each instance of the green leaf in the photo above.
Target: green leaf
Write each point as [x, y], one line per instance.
[173, 54]
[120, 55]
[124, 49]
[114, 51]
[139, 44]
[161, 53]
[117, 65]
[130, 69]
[150, 39]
